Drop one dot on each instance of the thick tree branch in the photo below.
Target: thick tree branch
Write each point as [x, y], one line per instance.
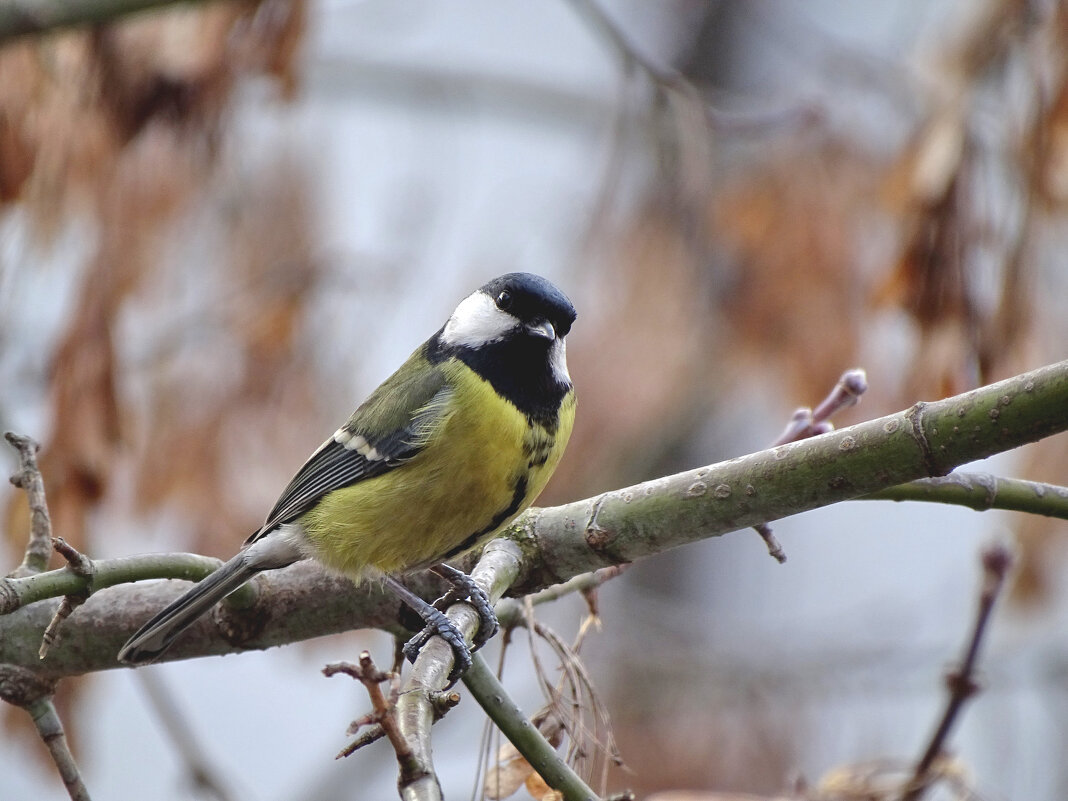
[558, 543]
[494, 572]
[415, 713]
[928, 439]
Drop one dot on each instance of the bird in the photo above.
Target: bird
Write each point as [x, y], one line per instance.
[444, 454]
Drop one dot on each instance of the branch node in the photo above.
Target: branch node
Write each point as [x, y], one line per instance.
[443, 701]
[79, 564]
[915, 416]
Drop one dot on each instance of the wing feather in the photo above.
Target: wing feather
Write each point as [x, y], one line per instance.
[423, 406]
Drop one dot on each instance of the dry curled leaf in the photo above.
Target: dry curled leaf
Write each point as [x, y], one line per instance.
[508, 774]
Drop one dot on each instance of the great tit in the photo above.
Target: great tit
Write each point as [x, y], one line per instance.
[442, 456]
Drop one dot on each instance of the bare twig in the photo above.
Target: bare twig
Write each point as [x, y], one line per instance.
[43, 713]
[495, 571]
[565, 712]
[961, 682]
[846, 393]
[28, 478]
[51, 633]
[557, 543]
[81, 566]
[511, 612]
[805, 422]
[775, 548]
[202, 774]
[21, 690]
[383, 715]
[567, 703]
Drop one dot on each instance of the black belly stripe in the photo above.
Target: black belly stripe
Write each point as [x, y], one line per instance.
[498, 520]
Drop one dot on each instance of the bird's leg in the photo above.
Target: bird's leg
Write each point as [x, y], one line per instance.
[464, 588]
[436, 624]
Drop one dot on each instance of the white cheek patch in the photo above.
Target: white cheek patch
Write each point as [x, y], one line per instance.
[358, 443]
[476, 321]
[558, 361]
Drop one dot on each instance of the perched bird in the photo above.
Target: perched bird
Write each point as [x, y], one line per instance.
[439, 458]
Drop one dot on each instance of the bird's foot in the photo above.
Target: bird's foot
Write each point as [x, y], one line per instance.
[439, 625]
[464, 588]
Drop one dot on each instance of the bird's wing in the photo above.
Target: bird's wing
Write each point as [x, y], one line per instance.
[390, 428]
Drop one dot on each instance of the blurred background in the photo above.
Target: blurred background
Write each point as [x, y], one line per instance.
[222, 224]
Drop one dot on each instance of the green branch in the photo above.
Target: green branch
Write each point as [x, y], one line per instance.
[926, 440]
[16, 592]
[524, 735]
[982, 492]
[302, 602]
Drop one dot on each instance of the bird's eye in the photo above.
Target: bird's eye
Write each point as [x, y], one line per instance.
[504, 300]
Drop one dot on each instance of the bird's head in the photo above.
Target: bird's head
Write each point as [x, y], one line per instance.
[512, 306]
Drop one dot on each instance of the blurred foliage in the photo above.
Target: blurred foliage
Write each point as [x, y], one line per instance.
[119, 127]
[772, 255]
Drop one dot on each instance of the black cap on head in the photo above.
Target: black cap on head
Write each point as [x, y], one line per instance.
[530, 297]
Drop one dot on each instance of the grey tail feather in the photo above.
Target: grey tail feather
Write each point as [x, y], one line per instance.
[153, 638]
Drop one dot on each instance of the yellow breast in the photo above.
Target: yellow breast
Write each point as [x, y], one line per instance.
[484, 464]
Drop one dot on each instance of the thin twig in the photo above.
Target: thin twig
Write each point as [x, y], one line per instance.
[495, 571]
[51, 632]
[28, 478]
[82, 567]
[202, 774]
[846, 393]
[79, 564]
[961, 682]
[775, 548]
[17, 592]
[510, 611]
[43, 713]
[39, 704]
[805, 423]
[493, 698]
[583, 696]
[982, 491]
[383, 715]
